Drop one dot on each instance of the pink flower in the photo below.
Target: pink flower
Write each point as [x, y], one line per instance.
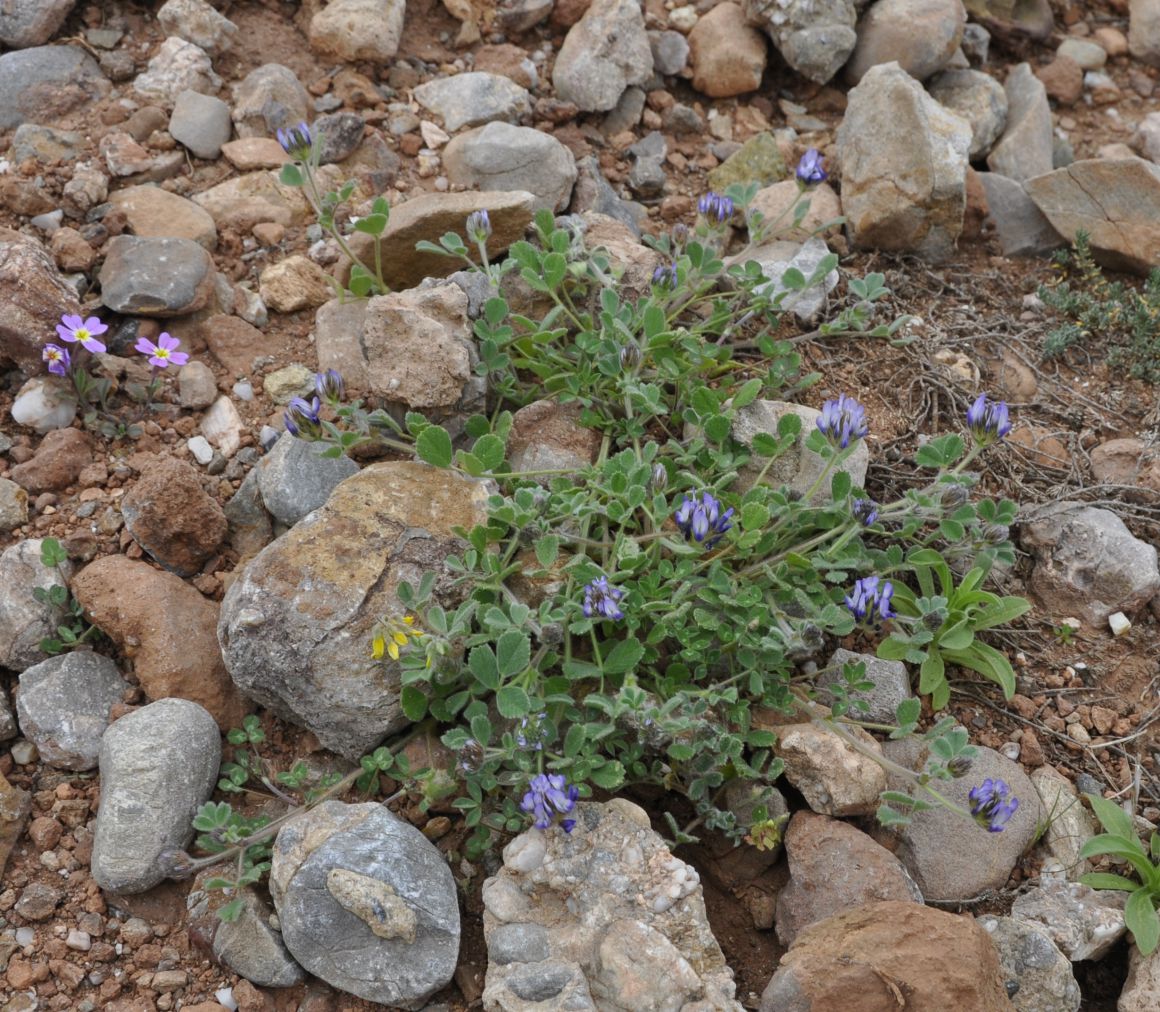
[73, 328]
[163, 352]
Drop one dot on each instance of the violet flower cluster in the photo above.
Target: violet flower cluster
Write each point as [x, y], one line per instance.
[988, 420]
[713, 205]
[869, 601]
[843, 421]
[993, 804]
[600, 600]
[809, 170]
[296, 141]
[703, 520]
[549, 795]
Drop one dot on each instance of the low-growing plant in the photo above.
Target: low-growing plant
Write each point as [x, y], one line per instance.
[1120, 841]
[1126, 317]
[72, 629]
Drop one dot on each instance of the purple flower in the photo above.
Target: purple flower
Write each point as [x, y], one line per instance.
[550, 794]
[296, 141]
[301, 418]
[600, 600]
[479, 227]
[329, 386]
[713, 205]
[665, 276]
[57, 359]
[74, 329]
[703, 520]
[988, 420]
[532, 733]
[843, 421]
[865, 511]
[993, 804]
[809, 169]
[163, 353]
[869, 601]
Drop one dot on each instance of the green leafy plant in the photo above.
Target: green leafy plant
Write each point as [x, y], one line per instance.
[1119, 841]
[73, 629]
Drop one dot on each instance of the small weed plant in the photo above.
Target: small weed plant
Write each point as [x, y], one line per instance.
[642, 620]
[72, 629]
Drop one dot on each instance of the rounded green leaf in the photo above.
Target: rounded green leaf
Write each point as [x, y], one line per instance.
[434, 446]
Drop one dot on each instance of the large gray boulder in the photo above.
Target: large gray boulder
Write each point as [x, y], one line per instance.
[500, 156]
[367, 903]
[296, 626]
[815, 37]
[604, 53]
[158, 765]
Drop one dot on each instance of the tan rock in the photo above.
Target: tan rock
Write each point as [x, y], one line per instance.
[248, 154]
[1144, 31]
[166, 628]
[352, 30]
[243, 201]
[777, 203]
[1063, 79]
[1041, 446]
[726, 52]
[547, 435]
[834, 777]
[32, 297]
[294, 283]
[158, 214]
[920, 36]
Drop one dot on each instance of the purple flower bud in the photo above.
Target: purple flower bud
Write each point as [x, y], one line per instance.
[479, 227]
[665, 276]
[865, 511]
[809, 169]
[869, 601]
[296, 141]
[988, 420]
[302, 418]
[713, 205]
[993, 804]
[549, 795]
[330, 387]
[600, 600]
[843, 421]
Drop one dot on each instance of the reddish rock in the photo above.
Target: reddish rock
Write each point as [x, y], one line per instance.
[170, 515]
[58, 462]
[509, 61]
[547, 435]
[233, 342]
[1063, 79]
[834, 868]
[168, 631]
[33, 297]
[1030, 750]
[887, 956]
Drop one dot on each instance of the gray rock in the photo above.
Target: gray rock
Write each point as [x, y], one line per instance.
[1089, 55]
[500, 156]
[196, 386]
[516, 16]
[44, 144]
[352, 30]
[604, 52]
[623, 919]
[1087, 562]
[593, 193]
[1038, 975]
[890, 678]
[267, 99]
[904, 166]
[1024, 150]
[815, 38]
[201, 123]
[13, 505]
[40, 84]
[976, 43]
[950, 858]
[834, 778]
[296, 624]
[25, 23]
[474, 98]
[25, 621]
[155, 277]
[8, 729]
[158, 765]
[979, 99]
[1022, 228]
[1085, 923]
[339, 135]
[921, 36]
[547, 436]
[647, 176]
[798, 467]
[63, 706]
[249, 945]
[295, 480]
[178, 66]
[670, 52]
[778, 257]
[1069, 826]
[1141, 991]
[197, 22]
[250, 527]
[627, 113]
[367, 903]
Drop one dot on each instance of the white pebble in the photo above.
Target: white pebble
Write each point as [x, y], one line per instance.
[243, 391]
[23, 753]
[1119, 623]
[79, 940]
[201, 450]
[526, 852]
[25, 936]
[225, 996]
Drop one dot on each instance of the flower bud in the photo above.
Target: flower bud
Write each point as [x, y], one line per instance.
[660, 477]
[175, 863]
[630, 357]
[959, 766]
[329, 386]
[954, 496]
[996, 534]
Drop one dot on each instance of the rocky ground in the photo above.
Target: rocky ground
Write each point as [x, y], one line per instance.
[138, 183]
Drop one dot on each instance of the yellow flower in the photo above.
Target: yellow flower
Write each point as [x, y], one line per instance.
[395, 636]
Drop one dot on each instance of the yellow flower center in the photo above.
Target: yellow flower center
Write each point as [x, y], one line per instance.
[161, 353]
[82, 334]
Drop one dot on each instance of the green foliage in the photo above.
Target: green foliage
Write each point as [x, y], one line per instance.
[1126, 317]
[1119, 841]
[73, 629]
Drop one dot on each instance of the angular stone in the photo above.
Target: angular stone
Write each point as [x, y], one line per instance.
[44, 144]
[1141, 991]
[13, 505]
[979, 99]
[1088, 563]
[500, 156]
[25, 621]
[172, 517]
[777, 258]
[249, 153]
[233, 342]
[63, 706]
[1144, 31]
[59, 460]
[1116, 201]
[777, 203]
[201, 123]
[166, 629]
[250, 526]
[432, 215]
[305, 653]
[32, 295]
[178, 66]
[45, 403]
[1041, 975]
[222, 426]
[353, 30]
[1022, 228]
[866, 957]
[920, 36]
[1024, 150]
[155, 277]
[813, 38]
[196, 386]
[904, 164]
[294, 479]
[473, 98]
[950, 857]
[833, 776]
[269, 98]
[197, 22]
[759, 160]
[891, 685]
[338, 341]
[1069, 826]
[293, 284]
[154, 213]
[727, 53]
[242, 202]
[1084, 922]
[158, 765]
[25, 23]
[605, 52]
[547, 435]
[40, 84]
